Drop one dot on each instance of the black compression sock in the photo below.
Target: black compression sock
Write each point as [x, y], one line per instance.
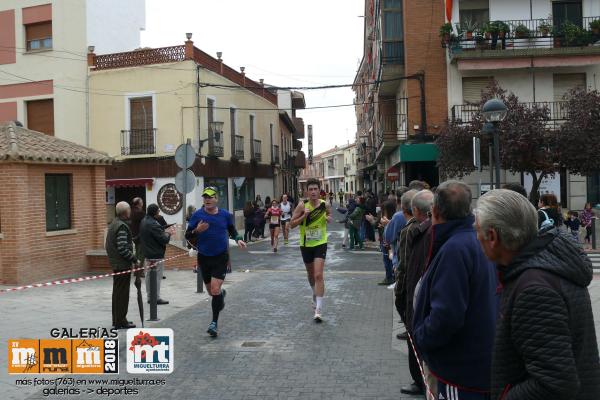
[217, 306]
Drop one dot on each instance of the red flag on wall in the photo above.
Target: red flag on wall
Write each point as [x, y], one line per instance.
[449, 10]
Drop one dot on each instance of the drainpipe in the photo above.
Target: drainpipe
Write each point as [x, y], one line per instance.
[198, 108]
[423, 106]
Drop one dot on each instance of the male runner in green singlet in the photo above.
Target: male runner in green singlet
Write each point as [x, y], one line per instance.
[312, 216]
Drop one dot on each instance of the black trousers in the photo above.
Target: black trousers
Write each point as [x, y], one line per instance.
[120, 298]
[413, 366]
[248, 230]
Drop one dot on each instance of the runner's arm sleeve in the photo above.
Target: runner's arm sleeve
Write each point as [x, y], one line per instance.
[123, 246]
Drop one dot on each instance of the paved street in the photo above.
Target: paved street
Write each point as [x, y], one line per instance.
[268, 347]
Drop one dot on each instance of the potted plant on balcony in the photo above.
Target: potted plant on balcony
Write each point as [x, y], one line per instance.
[595, 26]
[445, 32]
[503, 29]
[521, 31]
[490, 30]
[574, 34]
[469, 26]
[544, 28]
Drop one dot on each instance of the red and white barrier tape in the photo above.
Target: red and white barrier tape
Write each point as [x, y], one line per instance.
[430, 394]
[86, 278]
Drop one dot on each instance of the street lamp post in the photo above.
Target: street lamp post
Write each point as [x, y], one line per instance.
[494, 111]
[294, 154]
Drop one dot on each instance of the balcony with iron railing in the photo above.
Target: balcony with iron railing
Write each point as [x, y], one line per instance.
[393, 53]
[215, 144]
[257, 150]
[524, 37]
[299, 126]
[557, 110]
[275, 155]
[238, 147]
[138, 142]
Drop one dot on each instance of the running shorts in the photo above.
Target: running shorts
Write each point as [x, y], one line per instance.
[273, 226]
[213, 266]
[310, 253]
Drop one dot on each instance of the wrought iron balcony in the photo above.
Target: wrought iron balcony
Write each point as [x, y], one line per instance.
[525, 34]
[215, 144]
[257, 150]
[138, 141]
[238, 147]
[558, 111]
[393, 53]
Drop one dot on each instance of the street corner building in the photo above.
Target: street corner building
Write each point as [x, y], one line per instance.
[52, 209]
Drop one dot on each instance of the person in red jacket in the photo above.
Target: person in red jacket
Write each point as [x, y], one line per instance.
[273, 215]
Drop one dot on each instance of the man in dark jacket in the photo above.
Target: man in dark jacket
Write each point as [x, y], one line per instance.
[545, 344]
[119, 248]
[154, 239]
[456, 302]
[417, 243]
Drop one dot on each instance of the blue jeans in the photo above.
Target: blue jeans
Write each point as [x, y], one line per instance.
[363, 230]
[387, 263]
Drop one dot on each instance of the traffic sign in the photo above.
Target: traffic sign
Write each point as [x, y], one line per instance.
[185, 181]
[185, 155]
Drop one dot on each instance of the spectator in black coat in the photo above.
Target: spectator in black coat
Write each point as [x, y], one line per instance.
[545, 344]
[154, 239]
[248, 221]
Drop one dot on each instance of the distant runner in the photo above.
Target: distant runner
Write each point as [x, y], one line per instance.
[273, 215]
[286, 208]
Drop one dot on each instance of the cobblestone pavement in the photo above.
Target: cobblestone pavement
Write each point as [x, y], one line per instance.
[268, 346]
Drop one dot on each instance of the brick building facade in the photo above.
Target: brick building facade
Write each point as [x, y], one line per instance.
[45, 231]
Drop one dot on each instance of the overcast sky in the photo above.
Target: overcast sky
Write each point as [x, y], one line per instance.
[286, 42]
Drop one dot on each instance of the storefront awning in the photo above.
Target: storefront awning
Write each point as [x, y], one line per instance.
[129, 182]
[418, 152]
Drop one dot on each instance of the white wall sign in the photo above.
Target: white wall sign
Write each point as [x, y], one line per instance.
[548, 185]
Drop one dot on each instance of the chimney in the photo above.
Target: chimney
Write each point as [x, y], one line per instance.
[242, 69]
[189, 47]
[219, 57]
[91, 57]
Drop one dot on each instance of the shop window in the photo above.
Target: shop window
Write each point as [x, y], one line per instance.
[243, 191]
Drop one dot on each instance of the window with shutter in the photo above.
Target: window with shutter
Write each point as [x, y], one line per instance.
[474, 87]
[39, 36]
[40, 116]
[58, 202]
[141, 125]
[563, 83]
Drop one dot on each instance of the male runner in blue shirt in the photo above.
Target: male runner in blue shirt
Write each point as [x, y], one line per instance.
[213, 227]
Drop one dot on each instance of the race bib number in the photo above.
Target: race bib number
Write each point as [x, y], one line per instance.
[314, 234]
[274, 219]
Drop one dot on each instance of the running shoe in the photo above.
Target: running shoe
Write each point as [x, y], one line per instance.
[212, 329]
[275, 250]
[318, 318]
[285, 242]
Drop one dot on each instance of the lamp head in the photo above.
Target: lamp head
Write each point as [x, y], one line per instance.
[494, 110]
[188, 36]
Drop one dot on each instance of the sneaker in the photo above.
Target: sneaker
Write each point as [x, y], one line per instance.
[285, 242]
[318, 317]
[212, 329]
[275, 250]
